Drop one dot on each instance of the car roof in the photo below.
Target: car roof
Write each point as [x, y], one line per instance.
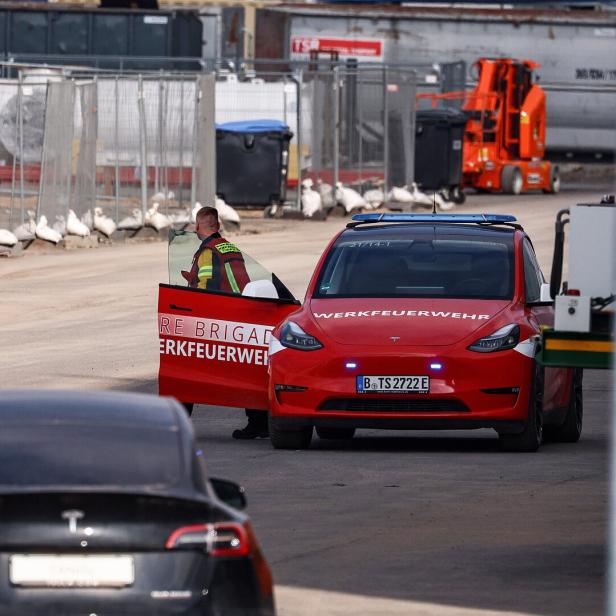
[400, 230]
[129, 425]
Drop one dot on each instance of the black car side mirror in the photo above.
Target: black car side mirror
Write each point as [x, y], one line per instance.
[229, 493]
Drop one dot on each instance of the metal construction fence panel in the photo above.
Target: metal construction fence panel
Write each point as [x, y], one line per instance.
[56, 162]
[361, 126]
[81, 139]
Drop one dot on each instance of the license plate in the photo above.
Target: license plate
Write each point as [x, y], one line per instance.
[392, 384]
[61, 571]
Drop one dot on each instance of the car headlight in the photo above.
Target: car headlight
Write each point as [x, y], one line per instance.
[502, 339]
[294, 337]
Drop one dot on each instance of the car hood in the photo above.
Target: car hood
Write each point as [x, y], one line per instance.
[416, 322]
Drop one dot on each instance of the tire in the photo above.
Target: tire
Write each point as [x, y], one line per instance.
[298, 438]
[335, 433]
[188, 406]
[554, 181]
[458, 196]
[511, 180]
[571, 429]
[532, 434]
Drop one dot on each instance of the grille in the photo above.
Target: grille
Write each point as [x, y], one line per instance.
[393, 405]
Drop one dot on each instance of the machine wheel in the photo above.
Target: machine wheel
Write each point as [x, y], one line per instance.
[457, 195]
[531, 436]
[554, 181]
[298, 438]
[188, 406]
[511, 180]
[571, 429]
[335, 433]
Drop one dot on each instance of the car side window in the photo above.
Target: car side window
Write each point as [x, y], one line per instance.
[533, 277]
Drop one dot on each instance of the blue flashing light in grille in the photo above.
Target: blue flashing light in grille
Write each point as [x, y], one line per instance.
[436, 365]
[351, 364]
[460, 218]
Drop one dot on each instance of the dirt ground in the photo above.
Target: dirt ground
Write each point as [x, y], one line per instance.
[87, 319]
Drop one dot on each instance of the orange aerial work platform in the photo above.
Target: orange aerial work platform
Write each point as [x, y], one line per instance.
[504, 137]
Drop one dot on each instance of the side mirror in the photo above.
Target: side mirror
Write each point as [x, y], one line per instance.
[229, 492]
[260, 288]
[545, 294]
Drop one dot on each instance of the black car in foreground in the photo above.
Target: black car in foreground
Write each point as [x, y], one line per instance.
[106, 508]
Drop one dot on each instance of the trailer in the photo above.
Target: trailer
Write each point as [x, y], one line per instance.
[585, 306]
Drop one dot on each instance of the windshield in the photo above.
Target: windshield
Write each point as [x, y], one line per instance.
[422, 265]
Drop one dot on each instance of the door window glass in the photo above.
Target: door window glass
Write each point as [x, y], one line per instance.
[229, 270]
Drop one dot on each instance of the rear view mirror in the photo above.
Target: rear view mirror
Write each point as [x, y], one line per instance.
[229, 493]
[260, 288]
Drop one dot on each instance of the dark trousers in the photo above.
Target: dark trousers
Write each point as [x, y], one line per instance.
[257, 417]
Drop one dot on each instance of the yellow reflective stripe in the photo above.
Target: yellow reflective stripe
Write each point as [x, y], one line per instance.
[226, 247]
[593, 346]
[231, 278]
[205, 270]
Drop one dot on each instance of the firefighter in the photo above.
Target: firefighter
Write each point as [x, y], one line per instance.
[218, 265]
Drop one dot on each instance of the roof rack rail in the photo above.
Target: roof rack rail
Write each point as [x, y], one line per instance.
[486, 219]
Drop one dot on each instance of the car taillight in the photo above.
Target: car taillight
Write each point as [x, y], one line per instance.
[220, 539]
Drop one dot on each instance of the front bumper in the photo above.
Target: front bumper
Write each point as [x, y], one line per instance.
[471, 390]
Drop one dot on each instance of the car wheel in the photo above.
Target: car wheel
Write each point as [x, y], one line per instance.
[335, 433]
[511, 180]
[532, 434]
[458, 196]
[554, 181]
[189, 406]
[571, 429]
[295, 438]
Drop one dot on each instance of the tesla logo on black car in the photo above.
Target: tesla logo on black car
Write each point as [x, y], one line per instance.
[394, 338]
[72, 515]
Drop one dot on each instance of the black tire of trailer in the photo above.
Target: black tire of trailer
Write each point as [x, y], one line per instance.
[511, 180]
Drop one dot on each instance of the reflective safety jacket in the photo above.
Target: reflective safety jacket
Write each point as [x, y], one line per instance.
[218, 265]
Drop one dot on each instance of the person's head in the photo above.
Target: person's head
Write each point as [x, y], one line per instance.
[207, 222]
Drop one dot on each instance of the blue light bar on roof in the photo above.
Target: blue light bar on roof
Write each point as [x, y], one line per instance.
[488, 218]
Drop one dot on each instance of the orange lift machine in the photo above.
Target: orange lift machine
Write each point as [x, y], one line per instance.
[504, 138]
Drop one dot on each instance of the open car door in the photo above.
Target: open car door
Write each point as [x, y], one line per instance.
[214, 344]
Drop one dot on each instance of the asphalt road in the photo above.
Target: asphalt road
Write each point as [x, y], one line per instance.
[392, 523]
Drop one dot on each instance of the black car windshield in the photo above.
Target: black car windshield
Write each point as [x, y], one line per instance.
[422, 262]
[74, 456]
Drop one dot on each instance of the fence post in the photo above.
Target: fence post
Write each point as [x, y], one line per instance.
[181, 161]
[385, 132]
[195, 138]
[336, 73]
[206, 135]
[143, 149]
[298, 81]
[14, 166]
[21, 146]
[116, 139]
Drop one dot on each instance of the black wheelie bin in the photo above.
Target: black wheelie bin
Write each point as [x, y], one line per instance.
[251, 162]
[439, 141]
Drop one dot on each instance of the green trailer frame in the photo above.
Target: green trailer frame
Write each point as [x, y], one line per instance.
[576, 350]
